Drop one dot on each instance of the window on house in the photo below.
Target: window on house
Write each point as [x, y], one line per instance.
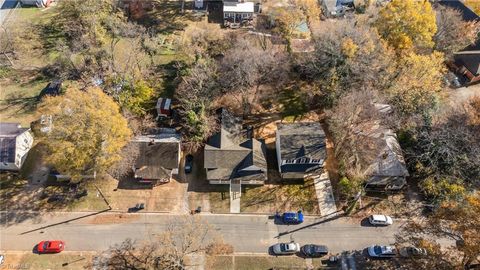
[289, 161]
[302, 160]
[315, 160]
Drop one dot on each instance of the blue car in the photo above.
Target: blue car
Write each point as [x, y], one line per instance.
[292, 217]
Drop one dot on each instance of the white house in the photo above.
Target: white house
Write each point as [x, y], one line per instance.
[15, 142]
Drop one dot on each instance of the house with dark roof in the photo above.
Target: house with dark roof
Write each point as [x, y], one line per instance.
[231, 156]
[467, 61]
[301, 149]
[15, 142]
[158, 157]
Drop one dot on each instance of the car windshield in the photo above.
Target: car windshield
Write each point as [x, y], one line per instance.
[377, 249]
[283, 247]
[46, 244]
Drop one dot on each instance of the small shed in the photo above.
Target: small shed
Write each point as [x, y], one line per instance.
[164, 107]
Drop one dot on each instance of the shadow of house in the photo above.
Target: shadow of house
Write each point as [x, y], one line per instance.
[159, 158]
[230, 156]
[301, 149]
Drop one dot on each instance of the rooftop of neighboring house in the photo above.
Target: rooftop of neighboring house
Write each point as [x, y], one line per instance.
[8, 138]
[390, 161]
[470, 60]
[299, 140]
[230, 154]
[158, 155]
[240, 7]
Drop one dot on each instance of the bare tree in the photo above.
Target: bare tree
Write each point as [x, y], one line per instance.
[247, 66]
[454, 33]
[173, 249]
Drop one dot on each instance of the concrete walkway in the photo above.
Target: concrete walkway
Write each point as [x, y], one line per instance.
[235, 195]
[324, 191]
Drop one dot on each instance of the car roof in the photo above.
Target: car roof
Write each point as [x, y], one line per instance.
[379, 217]
[55, 244]
[320, 248]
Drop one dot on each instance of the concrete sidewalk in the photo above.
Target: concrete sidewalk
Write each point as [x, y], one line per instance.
[324, 191]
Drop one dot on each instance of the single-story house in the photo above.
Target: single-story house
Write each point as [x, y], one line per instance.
[15, 142]
[388, 171]
[301, 149]
[237, 13]
[158, 157]
[336, 8]
[230, 156]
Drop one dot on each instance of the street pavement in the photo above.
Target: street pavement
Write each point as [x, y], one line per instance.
[247, 233]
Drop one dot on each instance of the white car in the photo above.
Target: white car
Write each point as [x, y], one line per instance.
[382, 251]
[380, 220]
[286, 248]
[2, 258]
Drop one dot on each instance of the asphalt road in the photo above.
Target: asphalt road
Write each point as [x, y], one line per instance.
[247, 233]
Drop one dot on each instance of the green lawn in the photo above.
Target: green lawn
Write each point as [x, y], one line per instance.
[285, 197]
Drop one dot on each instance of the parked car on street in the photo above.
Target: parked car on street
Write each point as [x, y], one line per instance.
[412, 252]
[2, 258]
[286, 248]
[54, 246]
[381, 220]
[382, 251]
[188, 163]
[314, 251]
[292, 217]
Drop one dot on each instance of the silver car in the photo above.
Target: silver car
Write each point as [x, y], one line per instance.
[286, 248]
[382, 251]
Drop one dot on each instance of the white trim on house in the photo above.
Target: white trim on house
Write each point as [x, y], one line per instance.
[246, 7]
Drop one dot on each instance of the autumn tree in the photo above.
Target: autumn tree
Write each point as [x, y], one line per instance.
[310, 8]
[473, 5]
[88, 132]
[453, 33]
[287, 20]
[137, 97]
[407, 24]
[416, 84]
[348, 55]
[454, 220]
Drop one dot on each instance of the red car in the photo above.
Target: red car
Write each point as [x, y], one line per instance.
[54, 246]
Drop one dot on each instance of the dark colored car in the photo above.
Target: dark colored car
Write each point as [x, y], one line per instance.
[54, 246]
[314, 251]
[188, 163]
[292, 217]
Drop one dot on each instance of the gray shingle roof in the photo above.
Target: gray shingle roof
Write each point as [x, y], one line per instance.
[301, 140]
[228, 154]
[157, 157]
